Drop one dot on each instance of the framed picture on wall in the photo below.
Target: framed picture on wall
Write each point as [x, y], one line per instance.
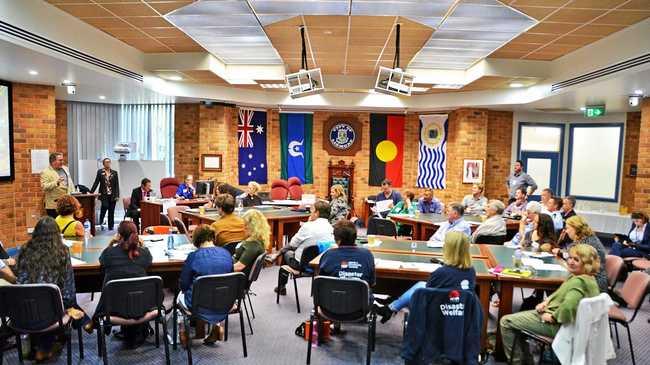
[472, 171]
[6, 133]
[211, 162]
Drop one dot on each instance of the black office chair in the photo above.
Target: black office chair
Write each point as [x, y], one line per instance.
[129, 302]
[491, 240]
[164, 220]
[180, 226]
[342, 300]
[36, 309]
[308, 254]
[215, 293]
[382, 227]
[258, 265]
[231, 247]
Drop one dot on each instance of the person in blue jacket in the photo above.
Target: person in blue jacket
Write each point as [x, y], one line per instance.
[637, 242]
[456, 273]
[186, 190]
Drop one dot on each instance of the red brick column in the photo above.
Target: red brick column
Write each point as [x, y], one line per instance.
[642, 186]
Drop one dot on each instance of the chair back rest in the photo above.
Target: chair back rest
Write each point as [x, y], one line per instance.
[339, 299]
[613, 266]
[158, 230]
[126, 202]
[295, 192]
[279, 190]
[635, 288]
[168, 187]
[218, 293]
[132, 298]
[231, 247]
[258, 265]
[175, 211]
[294, 180]
[308, 254]
[164, 220]
[491, 240]
[382, 227]
[31, 307]
[180, 226]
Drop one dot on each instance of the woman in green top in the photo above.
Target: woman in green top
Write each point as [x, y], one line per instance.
[405, 206]
[559, 308]
[258, 232]
[66, 208]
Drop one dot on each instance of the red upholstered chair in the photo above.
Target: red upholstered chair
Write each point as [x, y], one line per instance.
[168, 187]
[279, 190]
[295, 188]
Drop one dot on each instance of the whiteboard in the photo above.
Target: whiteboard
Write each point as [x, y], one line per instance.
[130, 172]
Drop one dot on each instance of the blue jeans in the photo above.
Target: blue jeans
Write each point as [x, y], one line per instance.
[619, 250]
[404, 299]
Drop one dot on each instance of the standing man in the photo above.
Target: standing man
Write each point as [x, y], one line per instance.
[186, 190]
[520, 179]
[55, 182]
[109, 191]
[139, 194]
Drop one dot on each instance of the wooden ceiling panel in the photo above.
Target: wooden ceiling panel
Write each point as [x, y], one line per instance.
[553, 3]
[534, 38]
[508, 54]
[520, 47]
[558, 48]
[575, 15]
[542, 56]
[164, 7]
[85, 10]
[186, 48]
[107, 23]
[597, 30]
[577, 40]
[622, 17]
[637, 5]
[130, 9]
[594, 4]
[553, 28]
[164, 32]
[177, 41]
[147, 21]
[536, 12]
[126, 33]
[146, 45]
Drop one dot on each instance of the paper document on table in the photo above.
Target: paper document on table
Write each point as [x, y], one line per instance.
[435, 244]
[76, 261]
[534, 263]
[421, 266]
[551, 267]
[539, 255]
[387, 264]
[382, 206]
[158, 252]
[153, 237]
[178, 254]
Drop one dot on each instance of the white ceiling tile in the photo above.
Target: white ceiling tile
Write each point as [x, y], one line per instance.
[393, 8]
[227, 7]
[335, 7]
[241, 20]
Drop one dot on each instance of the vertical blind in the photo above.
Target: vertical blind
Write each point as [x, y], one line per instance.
[93, 130]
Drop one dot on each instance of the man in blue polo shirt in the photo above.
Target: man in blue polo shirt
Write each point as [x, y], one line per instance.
[348, 260]
[455, 223]
[186, 190]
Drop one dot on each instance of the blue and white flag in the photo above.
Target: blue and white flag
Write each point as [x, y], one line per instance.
[432, 158]
[251, 133]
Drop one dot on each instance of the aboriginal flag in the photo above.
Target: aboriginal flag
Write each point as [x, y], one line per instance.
[386, 148]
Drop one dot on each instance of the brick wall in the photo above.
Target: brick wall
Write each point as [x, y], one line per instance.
[186, 140]
[61, 114]
[21, 201]
[628, 183]
[642, 185]
[499, 148]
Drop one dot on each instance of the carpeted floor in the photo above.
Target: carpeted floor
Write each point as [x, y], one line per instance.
[274, 341]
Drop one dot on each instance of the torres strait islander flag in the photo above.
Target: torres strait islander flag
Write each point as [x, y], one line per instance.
[386, 148]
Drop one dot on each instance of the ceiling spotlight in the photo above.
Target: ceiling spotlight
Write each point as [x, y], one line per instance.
[634, 100]
[516, 84]
[638, 92]
[175, 78]
[102, 97]
[33, 72]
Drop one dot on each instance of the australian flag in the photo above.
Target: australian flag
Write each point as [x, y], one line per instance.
[251, 133]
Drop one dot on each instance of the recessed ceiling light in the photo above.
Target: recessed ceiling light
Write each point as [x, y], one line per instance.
[582, 108]
[638, 92]
[273, 86]
[448, 86]
[327, 32]
[516, 84]
[33, 72]
[419, 89]
[102, 97]
[175, 78]
[66, 82]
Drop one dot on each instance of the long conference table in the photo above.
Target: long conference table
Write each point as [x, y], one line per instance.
[283, 221]
[150, 209]
[425, 224]
[398, 265]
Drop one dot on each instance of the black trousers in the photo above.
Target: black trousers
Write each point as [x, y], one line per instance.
[135, 215]
[289, 259]
[108, 205]
[51, 212]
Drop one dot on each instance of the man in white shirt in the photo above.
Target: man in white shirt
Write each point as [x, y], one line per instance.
[552, 208]
[455, 222]
[317, 229]
[527, 223]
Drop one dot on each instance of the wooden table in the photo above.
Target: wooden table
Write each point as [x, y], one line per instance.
[283, 221]
[150, 210]
[87, 202]
[88, 275]
[425, 224]
[484, 257]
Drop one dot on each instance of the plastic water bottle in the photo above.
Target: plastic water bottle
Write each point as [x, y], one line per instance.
[87, 227]
[414, 246]
[239, 205]
[314, 334]
[25, 345]
[170, 242]
[516, 259]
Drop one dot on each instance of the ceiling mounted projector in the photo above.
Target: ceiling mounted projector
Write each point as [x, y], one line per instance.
[394, 80]
[305, 82]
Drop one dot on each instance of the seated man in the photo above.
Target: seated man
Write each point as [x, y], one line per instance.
[475, 203]
[428, 204]
[455, 223]
[317, 229]
[348, 260]
[518, 207]
[229, 227]
[552, 208]
[388, 193]
[137, 195]
[186, 190]
[527, 223]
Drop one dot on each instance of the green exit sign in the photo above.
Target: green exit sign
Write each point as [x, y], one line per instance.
[594, 111]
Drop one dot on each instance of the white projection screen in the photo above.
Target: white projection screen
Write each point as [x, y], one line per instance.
[6, 133]
[595, 161]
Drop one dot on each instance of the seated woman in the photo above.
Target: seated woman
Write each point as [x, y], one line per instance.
[339, 208]
[405, 206]
[543, 233]
[257, 233]
[186, 190]
[560, 307]
[66, 208]
[475, 203]
[229, 227]
[494, 224]
[208, 259]
[44, 259]
[250, 197]
[456, 273]
[637, 241]
[579, 232]
[125, 257]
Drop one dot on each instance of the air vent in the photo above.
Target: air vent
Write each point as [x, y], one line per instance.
[621, 66]
[60, 48]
